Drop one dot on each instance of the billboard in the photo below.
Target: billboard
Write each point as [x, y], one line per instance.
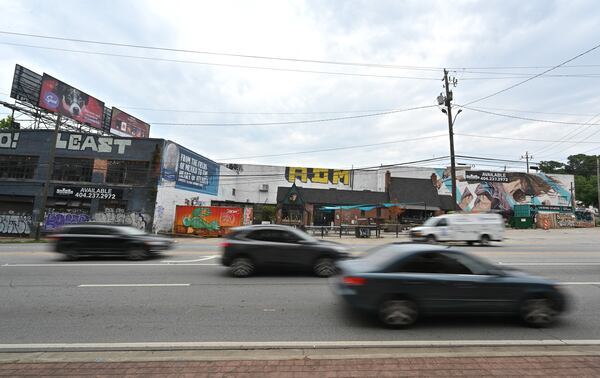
[207, 220]
[123, 124]
[482, 191]
[63, 99]
[189, 171]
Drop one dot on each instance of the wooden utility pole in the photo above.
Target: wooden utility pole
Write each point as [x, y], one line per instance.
[527, 157]
[448, 103]
[598, 179]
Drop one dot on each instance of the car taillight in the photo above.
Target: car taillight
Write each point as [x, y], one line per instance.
[224, 244]
[356, 281]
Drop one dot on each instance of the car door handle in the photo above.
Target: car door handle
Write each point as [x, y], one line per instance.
[464, 286]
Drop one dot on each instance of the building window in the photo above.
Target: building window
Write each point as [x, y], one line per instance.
[233, 191]
[17, 167]
[127, 172]
[69, 169]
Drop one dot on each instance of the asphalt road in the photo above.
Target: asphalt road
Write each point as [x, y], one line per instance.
[188, 297]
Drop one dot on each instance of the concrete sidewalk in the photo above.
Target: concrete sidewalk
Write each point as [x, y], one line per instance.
[498, 361]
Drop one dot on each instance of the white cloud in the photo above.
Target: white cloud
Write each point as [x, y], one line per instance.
[413, 33]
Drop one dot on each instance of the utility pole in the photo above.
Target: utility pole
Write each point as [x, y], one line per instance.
[42, 213]
[598, 178]
[527, 157]
[447, 101]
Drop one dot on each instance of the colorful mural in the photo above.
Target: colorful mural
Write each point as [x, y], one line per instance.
[479, 191]
[208, 220]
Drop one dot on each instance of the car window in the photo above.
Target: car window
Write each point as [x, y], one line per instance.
[442, 223]
[432, 262]
[279, 236]
[474, 265]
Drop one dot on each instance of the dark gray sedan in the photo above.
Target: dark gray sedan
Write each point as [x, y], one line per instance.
[275, 246]
[399, 282]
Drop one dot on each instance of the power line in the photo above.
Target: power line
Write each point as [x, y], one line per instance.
[534, 76]
[526, 118]
[334, 148]
[168, 49]
[253, 56]
[522, 139]
[215, 64]
[292, 122]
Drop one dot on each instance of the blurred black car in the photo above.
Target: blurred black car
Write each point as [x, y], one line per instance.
[399, 282]
[248, 248]
[101, 239]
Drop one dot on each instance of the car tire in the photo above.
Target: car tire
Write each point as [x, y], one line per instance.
[431, 239]
[71, 254]
[398, 313]
[538, 312]
[485, 240]
[242, 267]
[324, 267]
[136, 253]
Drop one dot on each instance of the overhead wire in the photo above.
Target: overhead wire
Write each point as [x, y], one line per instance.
[533, 77]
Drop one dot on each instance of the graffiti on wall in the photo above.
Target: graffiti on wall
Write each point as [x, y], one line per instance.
[208, 220]
[482, 191]
[121, 216]
[15, 224]
[56, 220]
[317, 175]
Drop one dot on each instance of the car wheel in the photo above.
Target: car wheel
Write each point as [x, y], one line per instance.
[324, 267]
[398, 312]
[136, 253]
[538, 312]
[431, 239]
[241, 267]
[485, 240]
[71, 254]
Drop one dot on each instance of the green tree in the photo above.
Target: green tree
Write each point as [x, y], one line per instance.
[6, 123]
[581, 165]
[586, 190]
[552, 166]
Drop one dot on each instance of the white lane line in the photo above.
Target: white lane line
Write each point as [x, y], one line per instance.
[548, 263]
[189, 261]
[293, 344]
[133, 285]
[74, 265]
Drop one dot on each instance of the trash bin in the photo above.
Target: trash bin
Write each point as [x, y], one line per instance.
[363, 232]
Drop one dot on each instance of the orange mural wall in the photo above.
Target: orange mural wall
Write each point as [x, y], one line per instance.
[208, 220]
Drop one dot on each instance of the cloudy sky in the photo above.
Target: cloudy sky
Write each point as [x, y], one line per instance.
[268, 77]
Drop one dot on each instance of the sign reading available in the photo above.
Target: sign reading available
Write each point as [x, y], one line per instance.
[486, 176]
[87, 192]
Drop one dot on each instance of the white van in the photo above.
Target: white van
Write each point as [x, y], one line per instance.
[470, 228]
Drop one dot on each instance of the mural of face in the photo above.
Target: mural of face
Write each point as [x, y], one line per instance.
[170, 162]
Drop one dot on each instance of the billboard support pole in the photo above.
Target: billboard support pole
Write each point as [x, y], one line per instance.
[42, 212]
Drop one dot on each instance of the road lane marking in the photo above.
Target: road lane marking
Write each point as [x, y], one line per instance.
[189, 261]
[548, 263]
[100, 265]
[289, 344]
[134, 285]
[579, 283]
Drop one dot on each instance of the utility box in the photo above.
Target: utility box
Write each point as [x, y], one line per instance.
[522, 222]
[522, 210]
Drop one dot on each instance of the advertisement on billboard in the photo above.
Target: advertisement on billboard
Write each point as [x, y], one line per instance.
[123, 124]
[63, 99]
[189, 170]
[482, 191]
[207, 220]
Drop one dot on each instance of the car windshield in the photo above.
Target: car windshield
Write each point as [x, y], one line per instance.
[431, 222]
[305, 236]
